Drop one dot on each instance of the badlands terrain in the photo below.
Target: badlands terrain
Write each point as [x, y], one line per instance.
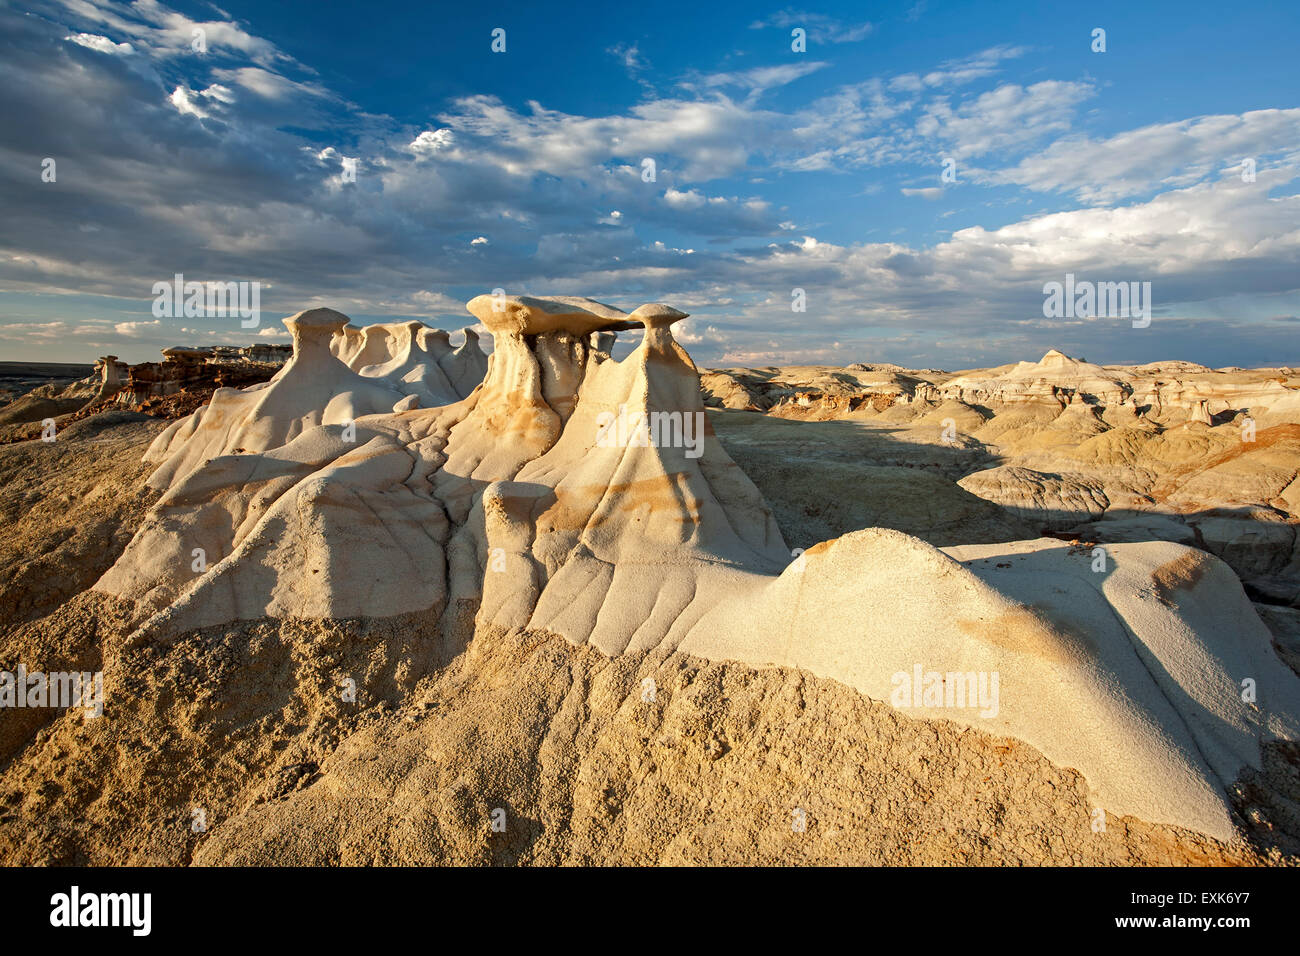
[395, 600]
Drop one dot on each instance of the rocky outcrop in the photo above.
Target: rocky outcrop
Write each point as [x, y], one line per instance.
[814, 394]
[1055, 501]
[576, 495]
[1104, 452]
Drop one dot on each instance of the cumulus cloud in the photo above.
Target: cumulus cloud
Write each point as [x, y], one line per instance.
[197, 103]
[431, 141]
[92, 41]
[134, 329]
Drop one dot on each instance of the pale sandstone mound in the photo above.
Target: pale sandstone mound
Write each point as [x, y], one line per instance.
[298, 498]
[1132, 675]
[312, 529]
[582, 496]
[417, 360]
[411, 365]
[314, 388]
[347, 343]
[1054, 499]
[371, 345]
[464, 365]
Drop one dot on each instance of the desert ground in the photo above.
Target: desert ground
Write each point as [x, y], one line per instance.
[380, 599]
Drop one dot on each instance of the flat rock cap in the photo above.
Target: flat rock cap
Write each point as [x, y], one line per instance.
[531, 315]
[655, 315]
[316, 319]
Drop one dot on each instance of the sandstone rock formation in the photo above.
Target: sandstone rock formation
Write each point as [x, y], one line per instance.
[572, 494]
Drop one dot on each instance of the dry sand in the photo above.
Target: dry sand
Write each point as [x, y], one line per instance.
[246, 725]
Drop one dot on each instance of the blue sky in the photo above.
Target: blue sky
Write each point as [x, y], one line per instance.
[774, 170]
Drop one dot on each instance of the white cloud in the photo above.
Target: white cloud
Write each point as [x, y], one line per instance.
[1010, 115]
[162, 32]
[183, 98]
[712, 138]
[982, 64]
[819, 27]
[264, 83]
[431, 141]
[1162, 154]
[42, 332]
[757, 80]
[1194, 244]
[93, 41]
[438, 303]
[136, 329]
[684, 199]
[629, 56]
[906, 83]
[191, 102]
